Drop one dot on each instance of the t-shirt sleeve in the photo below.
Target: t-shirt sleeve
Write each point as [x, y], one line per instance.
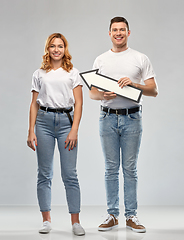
[76, 79]
[35, 82]
[147, 71]
[96, 64]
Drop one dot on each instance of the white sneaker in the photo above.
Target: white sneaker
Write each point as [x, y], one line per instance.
[78, 229]
[46, 227]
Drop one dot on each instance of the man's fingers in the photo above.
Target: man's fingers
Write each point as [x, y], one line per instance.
[109, 95]
[124, 82]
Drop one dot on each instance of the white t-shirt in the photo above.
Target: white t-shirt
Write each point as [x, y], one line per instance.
[55, 87]
[129, 63]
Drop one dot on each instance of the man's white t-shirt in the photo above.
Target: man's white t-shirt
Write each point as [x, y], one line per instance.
[55, 87]
[128, 63]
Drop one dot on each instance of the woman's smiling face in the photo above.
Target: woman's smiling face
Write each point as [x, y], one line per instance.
[56, 49]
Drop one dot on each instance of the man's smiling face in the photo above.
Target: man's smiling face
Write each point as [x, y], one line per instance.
[119, 34]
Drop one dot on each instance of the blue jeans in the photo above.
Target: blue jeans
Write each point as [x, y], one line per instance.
[120, 138]
[49, 128]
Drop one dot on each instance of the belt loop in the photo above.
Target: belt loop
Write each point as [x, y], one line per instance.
[108, 111]
[46, 109]
[140, 108]
[126, 111]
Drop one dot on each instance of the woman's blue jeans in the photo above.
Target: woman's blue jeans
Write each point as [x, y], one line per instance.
[120, 138]
[49, 128]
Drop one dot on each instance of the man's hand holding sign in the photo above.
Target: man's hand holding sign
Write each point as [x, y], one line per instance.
[122, 87]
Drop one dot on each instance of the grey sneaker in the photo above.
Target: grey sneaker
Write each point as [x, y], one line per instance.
[46, 228]
[78, 229]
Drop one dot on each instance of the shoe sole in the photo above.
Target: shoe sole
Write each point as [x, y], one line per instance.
[44, 231]
[80, 234]
[107, 229]
[136, 230]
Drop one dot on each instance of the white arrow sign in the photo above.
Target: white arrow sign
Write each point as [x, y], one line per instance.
[94, 79]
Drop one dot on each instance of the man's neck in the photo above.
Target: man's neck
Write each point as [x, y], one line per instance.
[119, 49]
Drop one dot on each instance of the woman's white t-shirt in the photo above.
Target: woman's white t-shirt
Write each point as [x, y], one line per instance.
[55, 87]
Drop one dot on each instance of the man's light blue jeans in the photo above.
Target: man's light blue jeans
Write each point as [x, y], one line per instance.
[49, 128]
[120, 138]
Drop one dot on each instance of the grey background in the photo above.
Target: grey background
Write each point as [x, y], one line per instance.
[156, 30]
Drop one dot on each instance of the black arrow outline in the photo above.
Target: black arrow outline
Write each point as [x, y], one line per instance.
[92, 85]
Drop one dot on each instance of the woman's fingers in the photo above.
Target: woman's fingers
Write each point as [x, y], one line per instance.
[70, 144]
[31, 145]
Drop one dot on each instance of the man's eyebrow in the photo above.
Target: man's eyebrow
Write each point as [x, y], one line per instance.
[119, 28]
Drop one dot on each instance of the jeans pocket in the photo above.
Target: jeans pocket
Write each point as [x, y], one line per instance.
[135, 116]
[102, 115]
[41, 112]
[40, 115]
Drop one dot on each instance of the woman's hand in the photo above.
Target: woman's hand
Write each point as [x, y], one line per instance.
[31, 139]
[71, 140]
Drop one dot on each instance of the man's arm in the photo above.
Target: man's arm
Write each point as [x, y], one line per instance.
[149, 89]
[95, 94]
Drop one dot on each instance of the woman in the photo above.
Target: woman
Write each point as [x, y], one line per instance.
[56, 89]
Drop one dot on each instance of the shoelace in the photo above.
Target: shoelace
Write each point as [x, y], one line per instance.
[134, 219]
[46, 223]
[109, 218]
[77, 225]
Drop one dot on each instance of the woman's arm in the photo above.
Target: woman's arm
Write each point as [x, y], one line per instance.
[71, 139]
[32, 120]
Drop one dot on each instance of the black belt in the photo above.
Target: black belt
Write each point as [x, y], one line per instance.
[59, 110]
[124, 111]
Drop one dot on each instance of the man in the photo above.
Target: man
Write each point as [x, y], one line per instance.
[120, 122]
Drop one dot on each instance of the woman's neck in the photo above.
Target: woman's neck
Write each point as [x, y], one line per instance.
[56, 64]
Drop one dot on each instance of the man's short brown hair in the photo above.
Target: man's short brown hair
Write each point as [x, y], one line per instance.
[118, 19]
